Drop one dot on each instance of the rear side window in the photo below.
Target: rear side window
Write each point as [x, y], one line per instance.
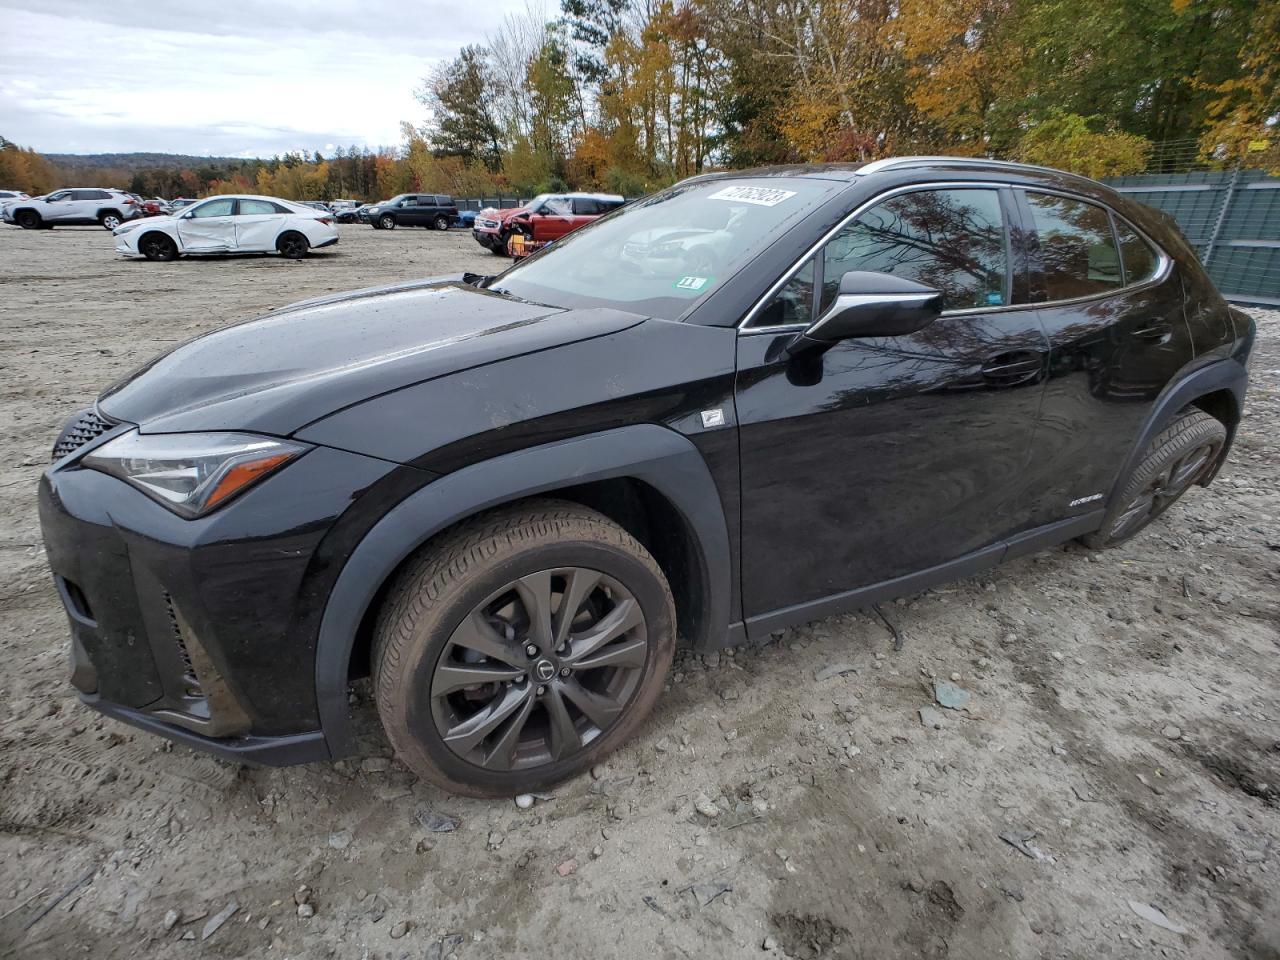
[1077, 250]
[586, 207]
[1136, 254]
[951, 240]
[444, 201]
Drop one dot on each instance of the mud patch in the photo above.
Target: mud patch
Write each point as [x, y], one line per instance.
[808, 937]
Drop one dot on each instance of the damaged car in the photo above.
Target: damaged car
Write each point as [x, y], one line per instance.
[748, 401]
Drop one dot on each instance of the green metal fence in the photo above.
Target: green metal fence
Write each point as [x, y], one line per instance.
[1231, 217]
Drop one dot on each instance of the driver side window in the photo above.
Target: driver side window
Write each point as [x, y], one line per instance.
[214, 208]
[951, 240]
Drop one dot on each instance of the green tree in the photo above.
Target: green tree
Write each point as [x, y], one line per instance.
[460, 97]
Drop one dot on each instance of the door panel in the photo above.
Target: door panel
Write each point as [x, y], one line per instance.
[258, 231]
[1109, 361]
[1110, 355]
[881, 457]
[210, 227]
[59, 207]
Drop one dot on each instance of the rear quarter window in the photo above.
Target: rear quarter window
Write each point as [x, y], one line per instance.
[1139, 260]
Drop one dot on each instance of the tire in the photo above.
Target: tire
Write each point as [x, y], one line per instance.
[498, 246]
[386, 222]
[110, 219]
[293, 245]
[28, 220]
[436, 630]
[155, 245]
[441, 223]
[1183, 453]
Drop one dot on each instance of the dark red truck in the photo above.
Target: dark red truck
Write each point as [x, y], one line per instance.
[519, 231]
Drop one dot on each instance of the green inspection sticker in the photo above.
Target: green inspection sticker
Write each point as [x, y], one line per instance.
[693, 284]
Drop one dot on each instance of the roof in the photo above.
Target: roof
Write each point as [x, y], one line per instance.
[851, 172]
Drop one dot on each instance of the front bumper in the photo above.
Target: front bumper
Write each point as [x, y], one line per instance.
[202, 631]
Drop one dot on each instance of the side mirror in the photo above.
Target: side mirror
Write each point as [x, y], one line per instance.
[871, 305]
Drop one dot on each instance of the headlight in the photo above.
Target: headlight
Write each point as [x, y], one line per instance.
[191, 473]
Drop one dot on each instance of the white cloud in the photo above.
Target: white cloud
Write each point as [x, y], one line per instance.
[227, 78]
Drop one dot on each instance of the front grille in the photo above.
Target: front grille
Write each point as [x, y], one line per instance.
[84, 426]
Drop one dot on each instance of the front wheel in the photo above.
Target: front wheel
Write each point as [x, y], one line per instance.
[157, 246]
[521, 648]
[293, 245]
[28, 219]
[1182, 454]
[387, 222]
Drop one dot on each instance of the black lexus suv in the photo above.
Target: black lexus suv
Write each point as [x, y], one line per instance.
[749, 400]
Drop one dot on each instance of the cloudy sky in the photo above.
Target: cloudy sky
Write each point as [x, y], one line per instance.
[223, 77]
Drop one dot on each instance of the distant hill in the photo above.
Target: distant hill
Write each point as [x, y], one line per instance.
[134, 161]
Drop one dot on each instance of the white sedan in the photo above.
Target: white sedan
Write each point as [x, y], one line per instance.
[233, 224]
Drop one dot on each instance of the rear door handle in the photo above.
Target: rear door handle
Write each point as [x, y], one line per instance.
[1156, 331]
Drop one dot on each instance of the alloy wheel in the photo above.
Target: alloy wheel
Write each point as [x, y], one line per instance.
[539, 669]
[110, 221]
[1163, 489]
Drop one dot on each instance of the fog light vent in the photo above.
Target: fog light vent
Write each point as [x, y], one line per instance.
[189, 678]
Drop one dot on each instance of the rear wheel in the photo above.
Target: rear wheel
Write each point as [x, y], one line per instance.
[293, 245]
[441, 222]
[387, 222]
[110, 219]
[157, 246]
[521, 649]
[27, 219]
[1181, 455]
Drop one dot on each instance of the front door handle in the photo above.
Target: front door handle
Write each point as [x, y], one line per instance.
[1013, 368]
[1155, 331]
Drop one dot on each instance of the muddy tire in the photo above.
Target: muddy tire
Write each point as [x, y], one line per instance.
[1183, 453]
[485, 684]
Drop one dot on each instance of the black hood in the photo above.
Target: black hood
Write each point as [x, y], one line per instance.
[280, 372]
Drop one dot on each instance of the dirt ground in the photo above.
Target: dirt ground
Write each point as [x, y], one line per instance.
[1125, 711]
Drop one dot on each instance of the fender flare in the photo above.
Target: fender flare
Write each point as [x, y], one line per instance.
[658, 456]
[1228, 374]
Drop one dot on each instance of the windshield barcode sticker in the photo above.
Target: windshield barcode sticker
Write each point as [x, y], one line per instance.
[760, 196]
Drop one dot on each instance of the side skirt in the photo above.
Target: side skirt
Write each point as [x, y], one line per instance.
[759, 627]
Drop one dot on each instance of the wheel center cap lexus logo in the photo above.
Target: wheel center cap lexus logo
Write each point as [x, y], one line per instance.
[544, 670]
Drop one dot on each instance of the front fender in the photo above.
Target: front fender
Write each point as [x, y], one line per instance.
[657, 456]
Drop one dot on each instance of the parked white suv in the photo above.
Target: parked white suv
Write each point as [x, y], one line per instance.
[110, 208]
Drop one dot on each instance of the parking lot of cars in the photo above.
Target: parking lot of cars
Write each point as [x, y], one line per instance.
[1118, 745]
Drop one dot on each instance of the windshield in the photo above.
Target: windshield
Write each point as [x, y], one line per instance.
[660, 255]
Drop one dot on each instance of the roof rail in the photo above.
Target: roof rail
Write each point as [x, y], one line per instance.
[875, 166]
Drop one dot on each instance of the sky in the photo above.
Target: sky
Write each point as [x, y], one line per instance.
[224, 77]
